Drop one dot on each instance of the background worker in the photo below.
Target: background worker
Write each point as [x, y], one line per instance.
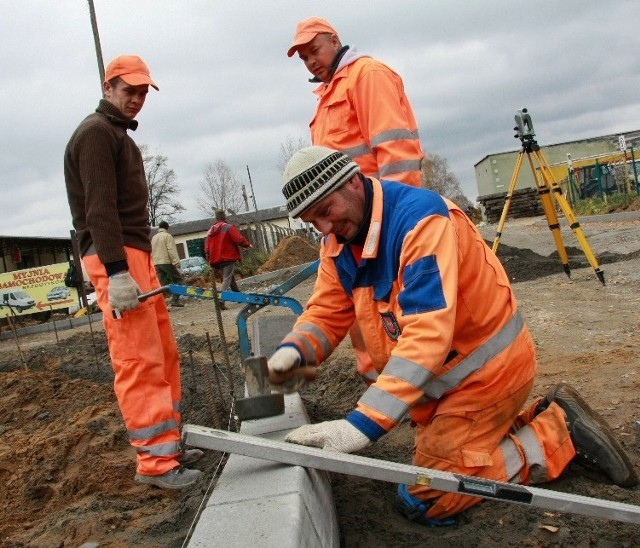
[107, 192]
[362, 111]
[222, 250]
[442, 326]
[166, 260]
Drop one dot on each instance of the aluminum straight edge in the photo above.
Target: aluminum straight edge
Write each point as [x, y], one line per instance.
[366, 467]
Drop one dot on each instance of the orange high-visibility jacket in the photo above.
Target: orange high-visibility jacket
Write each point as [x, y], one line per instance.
[434, 304]
[364, 112]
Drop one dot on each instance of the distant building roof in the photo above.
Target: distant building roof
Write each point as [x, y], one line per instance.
[202, 225]
[632, 138]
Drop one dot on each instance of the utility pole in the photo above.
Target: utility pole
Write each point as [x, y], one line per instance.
[253, 194]
[261, 237]
[244, 197]
[96, 40]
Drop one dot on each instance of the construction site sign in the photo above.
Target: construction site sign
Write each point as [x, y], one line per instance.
[36, 289]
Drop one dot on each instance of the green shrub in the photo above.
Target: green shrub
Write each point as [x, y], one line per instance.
[252, 260]
[598, 206]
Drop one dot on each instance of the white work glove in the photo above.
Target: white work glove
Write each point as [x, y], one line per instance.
[123, 292]
[285, 373]
[340, 436]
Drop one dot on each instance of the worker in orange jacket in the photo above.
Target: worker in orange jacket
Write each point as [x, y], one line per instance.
[443, 328]
[362, 111]
[362, 107]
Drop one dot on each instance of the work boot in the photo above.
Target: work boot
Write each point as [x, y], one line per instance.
[176, 478]
[177, 304]
[189, 456]
[415, 509]
[596, 448]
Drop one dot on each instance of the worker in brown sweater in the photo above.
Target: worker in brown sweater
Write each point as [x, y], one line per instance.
[108, 193]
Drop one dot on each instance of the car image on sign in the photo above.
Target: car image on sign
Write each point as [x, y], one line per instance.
[58, 293]
[16, 298]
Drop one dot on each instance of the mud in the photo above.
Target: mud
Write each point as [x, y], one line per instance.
[66, 468]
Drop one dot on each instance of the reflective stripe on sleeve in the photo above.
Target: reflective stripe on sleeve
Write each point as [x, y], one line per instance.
[384, 402]
[437, 386]
[408, 371]
[357, 151]
[394, 135]
[303, 342]
[399, 167]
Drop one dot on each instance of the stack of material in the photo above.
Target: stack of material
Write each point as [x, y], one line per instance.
[524, 203]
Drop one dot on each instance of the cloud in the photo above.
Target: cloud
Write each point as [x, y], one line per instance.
[228, 90]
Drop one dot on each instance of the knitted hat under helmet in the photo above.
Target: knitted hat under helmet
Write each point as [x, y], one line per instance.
[312, 173]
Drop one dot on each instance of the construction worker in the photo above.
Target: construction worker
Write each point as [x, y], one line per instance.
[222, 249]
[164, 255]
[362, 108]
[362, 111]
[107, 192]
[442, 326]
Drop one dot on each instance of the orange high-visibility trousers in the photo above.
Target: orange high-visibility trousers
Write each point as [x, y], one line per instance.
[500, 443]
[146, 364]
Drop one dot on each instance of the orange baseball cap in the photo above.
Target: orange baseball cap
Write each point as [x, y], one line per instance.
[131, 69]
[307, 30]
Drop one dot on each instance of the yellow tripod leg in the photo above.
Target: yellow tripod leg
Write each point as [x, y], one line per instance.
[571, 219]
[507, 202]
[550, 213]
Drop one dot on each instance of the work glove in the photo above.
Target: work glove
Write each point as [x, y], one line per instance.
[123, 292]
[285, 373]
[340, 436]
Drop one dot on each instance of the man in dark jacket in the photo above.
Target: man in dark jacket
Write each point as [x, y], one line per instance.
[108, 194]
[222, 249]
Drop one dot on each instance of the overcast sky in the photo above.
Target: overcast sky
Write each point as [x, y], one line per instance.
[228, 91]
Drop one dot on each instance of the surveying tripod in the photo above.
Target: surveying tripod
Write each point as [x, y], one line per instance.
[546, 185]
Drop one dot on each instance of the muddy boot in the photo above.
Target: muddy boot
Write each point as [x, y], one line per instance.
[189, 456]
[596, 448]
[176, 478]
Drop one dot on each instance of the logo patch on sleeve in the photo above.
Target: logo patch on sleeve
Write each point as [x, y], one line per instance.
[390, 325]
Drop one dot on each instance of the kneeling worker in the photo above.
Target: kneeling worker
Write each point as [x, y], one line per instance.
[442, 326]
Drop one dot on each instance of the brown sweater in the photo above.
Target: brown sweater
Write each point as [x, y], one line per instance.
[107, 187]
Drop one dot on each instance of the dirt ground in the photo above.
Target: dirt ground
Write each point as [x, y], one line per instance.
[66, 469]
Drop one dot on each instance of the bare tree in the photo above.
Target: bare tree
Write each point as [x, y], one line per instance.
[163, 190]
[288, 148]
[220, 189]
[437, 177]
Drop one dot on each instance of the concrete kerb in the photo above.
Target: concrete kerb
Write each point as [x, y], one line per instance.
[263, 503]
[271, 505]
